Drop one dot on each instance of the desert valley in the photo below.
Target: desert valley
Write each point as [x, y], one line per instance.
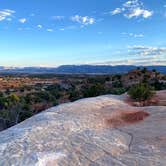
[83, 83]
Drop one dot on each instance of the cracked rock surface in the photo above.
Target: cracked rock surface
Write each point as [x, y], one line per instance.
[78, 134]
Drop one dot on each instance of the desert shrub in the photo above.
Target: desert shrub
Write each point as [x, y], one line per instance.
[141, 92]
[24, 115]
[94, 90]
[107, 78]
[158, 85]
[74, 95]
[117, 91]
[117, 84]
[144, 70]
[94, 80]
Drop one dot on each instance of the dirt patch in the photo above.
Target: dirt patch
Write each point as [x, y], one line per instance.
[134, 117]
[125, 118]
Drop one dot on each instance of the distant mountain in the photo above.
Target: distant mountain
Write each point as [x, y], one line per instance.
[94, 69]
[80, 69]
[104, 69]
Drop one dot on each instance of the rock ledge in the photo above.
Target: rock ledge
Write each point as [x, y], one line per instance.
[77, 134]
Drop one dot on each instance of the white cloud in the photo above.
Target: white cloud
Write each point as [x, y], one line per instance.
[147, 50]
[140, 35]
[148, 61]
[58, 18]
[144, 61]
[22, 20]
[84, 20]
[39, 26]
[9, 19]
[137, 12]
[133, 9]
[5, 14]
[62, 29]
[71, 27]
[50, 30]
[117, 11]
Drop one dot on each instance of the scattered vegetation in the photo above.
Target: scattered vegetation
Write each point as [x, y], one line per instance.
[141, 92]
[22, 96]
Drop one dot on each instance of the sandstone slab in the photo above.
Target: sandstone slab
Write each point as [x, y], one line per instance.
[77, 134]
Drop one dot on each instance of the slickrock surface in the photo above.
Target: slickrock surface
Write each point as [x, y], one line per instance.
[101, 131]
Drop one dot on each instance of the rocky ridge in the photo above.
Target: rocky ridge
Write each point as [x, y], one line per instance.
[93, 132]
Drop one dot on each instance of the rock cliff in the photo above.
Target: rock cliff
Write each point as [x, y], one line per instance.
[101, 131]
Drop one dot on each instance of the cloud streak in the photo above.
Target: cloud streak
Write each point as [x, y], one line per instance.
[140, 55]
[58, 18]
[140, 35]
[50, 30]
[148, 51]
[146, 61]
[6, 14]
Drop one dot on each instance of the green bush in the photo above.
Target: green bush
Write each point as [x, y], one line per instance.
[141, 92]
[94, 90]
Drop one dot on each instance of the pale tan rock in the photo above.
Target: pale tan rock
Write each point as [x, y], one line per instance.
[77, 134]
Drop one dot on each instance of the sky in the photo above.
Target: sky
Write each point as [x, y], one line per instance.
[100, 32]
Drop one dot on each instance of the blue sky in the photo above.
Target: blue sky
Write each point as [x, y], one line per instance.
[57, 32]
